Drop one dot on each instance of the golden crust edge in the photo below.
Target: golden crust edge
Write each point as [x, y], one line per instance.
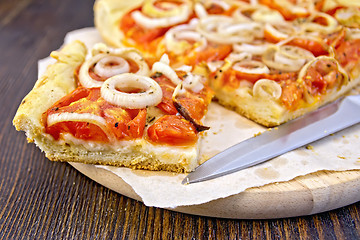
[249, 108]
[107, 15]
[49, 88]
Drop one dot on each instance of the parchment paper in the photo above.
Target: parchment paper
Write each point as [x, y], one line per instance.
[339, 152]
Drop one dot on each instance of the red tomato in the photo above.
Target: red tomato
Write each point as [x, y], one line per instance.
[81, 130]
[212, 52]
[313, 46]
[348, 52]
[195, 106]
[291, 94]
[172, 129]
[140, 35]
[122, 123]
[167, 88]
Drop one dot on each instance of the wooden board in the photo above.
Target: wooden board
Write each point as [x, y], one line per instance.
[305, 195]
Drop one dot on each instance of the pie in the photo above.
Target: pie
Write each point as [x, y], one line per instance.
[140, 99]
[269, 60]
[111, 108]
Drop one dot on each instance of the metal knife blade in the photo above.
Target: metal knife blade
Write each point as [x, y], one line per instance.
[289, 136]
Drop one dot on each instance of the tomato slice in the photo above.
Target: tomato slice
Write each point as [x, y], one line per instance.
[167, 88]
[195, 103]
[122, 123]
[316, 47]
[348, 52]
[172, 129]
[80, 130]
[140, 35]
[212, 52]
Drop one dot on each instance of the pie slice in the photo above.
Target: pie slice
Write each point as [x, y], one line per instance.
[112, 108]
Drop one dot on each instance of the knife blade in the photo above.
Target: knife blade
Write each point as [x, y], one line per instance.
[329, 119]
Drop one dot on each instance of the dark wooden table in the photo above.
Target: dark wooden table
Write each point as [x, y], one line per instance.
[40, 199]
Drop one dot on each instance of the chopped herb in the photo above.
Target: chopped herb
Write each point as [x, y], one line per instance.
[116, 124]
[157, 74]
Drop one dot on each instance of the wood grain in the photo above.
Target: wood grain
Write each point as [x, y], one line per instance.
[40, 199]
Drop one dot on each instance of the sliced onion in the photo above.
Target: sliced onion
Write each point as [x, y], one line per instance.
[126, 53]
[171, 9]
[165, 59]
[348, 3]
[349, 17]
[280, 31]
[354, 33]
[239, 16]
[74, 117]
[226, 30]
[151, 96]
[166, 70]
[185, 68]
[286, 58]
[193, 82]
[267, 15]
[163, 17]
[200, 10]
[177, 38]
[265, 88]
[250, 48]
[223, 4]
[238, 27]
[252, 67]
[332, 24]
[103, 54]
[85, 79]
[105, 67]
[215, 65]
[236, 57]
[79, 117]
[254, 2]
[178, 91]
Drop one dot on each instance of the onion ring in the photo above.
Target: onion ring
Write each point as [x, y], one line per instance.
[152, 95]
[101, 51]
[251, 66]
[105, 68]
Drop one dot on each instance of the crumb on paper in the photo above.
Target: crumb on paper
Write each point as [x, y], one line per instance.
[217, 132]
[309, 147]
[341, 157]
[257, 134]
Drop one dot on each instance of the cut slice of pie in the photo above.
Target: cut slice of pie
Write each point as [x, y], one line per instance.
[112, 108]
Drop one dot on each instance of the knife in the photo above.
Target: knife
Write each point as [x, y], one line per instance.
[277, 141]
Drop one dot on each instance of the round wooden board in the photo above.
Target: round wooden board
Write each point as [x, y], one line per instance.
[314, 193]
